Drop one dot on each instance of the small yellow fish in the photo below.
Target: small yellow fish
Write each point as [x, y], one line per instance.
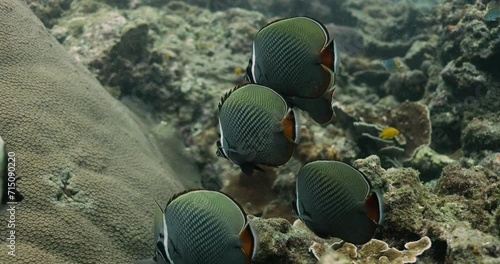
[392, 64]
[388, 133]
[238, 70]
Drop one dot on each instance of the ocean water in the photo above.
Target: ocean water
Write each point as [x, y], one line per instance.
[109, 106]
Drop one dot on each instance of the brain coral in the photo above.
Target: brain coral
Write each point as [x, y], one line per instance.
[88, 169]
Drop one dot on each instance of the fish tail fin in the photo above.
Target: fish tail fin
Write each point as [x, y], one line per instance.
[330, 56]
[328, 79]
[249, 241]
[327, 55]
[375, 206]
[291, 126]
[319, 109]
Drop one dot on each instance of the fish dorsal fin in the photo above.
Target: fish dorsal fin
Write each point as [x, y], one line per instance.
[323, 28]
[321, 25]
[375, 206]
[175, 196]
[271, 23]
[227, 94]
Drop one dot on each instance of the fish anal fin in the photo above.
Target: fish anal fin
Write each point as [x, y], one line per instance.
[247, 168]
[258, 168]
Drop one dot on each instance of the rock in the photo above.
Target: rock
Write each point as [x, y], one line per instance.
[446, 131]
[280, 242]
[418, 52]
[482, 133]
[429, 163]
[407, 85]
[50, 10]
[464, 245]
[465, 79]
[470, 183]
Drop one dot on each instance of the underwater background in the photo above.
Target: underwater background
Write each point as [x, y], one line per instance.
[125, 114]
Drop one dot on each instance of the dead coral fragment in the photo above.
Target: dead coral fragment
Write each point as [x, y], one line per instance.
[377, 251]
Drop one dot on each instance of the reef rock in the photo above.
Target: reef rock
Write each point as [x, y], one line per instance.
[482, 133]
[88, 168]
[465, 202]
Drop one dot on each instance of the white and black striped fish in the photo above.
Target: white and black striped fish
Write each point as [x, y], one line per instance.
[336, 200]
[256, 127]
[202, 226]
[297, 58]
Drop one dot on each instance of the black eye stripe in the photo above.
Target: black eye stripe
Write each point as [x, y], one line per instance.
[160, 249]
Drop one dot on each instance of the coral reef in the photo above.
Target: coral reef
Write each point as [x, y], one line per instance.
[89, 169]
[442, 213]
[175, 58]
[280, 242]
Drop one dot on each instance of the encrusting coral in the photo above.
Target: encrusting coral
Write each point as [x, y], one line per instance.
[89, 170]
